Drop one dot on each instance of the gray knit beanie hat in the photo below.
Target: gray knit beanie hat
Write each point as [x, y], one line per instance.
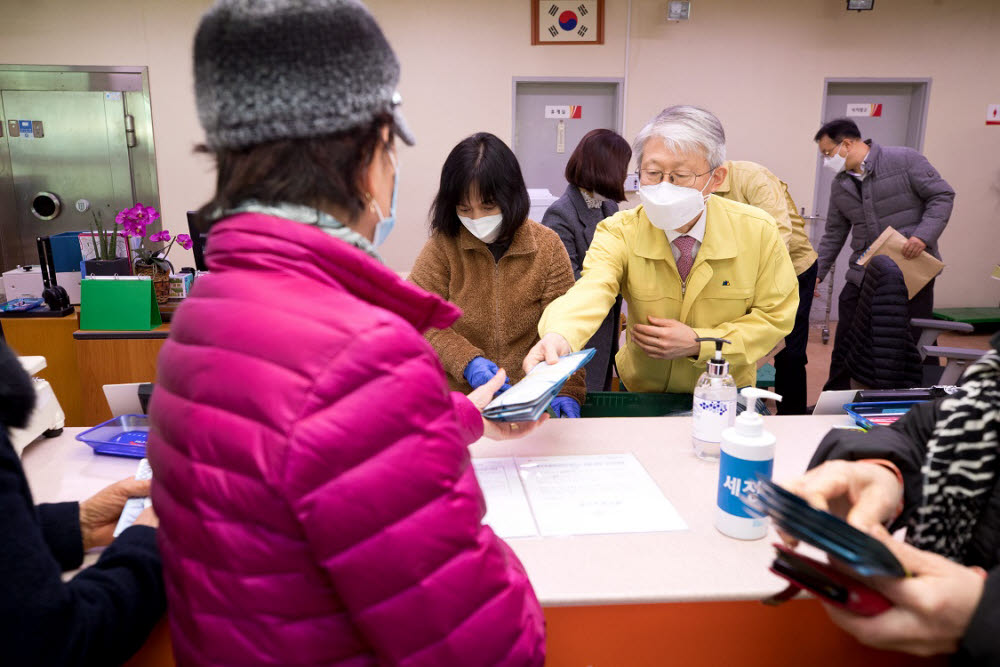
[291, 69]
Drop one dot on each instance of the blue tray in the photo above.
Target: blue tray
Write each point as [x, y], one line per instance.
[869, 415]
[122, 436]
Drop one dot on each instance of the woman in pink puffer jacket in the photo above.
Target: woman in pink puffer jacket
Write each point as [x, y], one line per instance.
[312, 478]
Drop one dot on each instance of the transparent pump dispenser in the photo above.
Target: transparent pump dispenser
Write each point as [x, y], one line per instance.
[714, 408]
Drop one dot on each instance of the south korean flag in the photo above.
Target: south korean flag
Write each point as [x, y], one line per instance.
[567, 21]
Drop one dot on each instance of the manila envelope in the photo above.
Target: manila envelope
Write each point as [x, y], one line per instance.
[917, 272]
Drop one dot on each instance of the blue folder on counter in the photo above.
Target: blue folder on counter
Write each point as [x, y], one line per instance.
[528, 399]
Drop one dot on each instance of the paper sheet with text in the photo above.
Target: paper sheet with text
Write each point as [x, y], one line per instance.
[507, 509]
[573, 495]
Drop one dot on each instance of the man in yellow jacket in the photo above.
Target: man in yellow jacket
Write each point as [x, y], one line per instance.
[752, 183]
[687, 267]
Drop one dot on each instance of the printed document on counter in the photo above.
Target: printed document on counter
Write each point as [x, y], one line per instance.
[573, 495]
[507, 509]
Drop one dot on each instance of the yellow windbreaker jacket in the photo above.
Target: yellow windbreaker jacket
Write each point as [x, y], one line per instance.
[742, 287]
[752, 183]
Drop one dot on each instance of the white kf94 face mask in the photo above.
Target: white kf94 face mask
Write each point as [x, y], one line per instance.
[486, 228]
[835, 162]
[670, 206]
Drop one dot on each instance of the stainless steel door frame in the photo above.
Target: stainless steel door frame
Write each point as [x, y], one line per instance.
[83, 154]
[132, 82]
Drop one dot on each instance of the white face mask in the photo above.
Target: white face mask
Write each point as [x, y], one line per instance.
[486, 228]
[670, 206]
[835, 162]
[385, 225]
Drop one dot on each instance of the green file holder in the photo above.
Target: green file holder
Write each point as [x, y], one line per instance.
[124, 304]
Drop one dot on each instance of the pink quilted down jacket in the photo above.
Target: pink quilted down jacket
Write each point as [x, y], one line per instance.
[312, 478]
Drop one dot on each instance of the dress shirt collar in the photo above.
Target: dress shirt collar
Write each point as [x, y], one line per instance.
[697, 232]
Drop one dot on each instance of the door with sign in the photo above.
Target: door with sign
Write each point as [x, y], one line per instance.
[890, 112]
[550, 118]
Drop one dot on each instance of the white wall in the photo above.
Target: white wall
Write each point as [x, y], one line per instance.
[759, 66]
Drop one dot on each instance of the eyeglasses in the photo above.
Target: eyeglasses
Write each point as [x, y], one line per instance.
[684, 179]
[833, 151]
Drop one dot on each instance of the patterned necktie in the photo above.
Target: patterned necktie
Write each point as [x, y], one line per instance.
[684, 262]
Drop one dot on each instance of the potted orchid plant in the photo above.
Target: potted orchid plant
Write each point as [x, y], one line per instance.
[104, 244]
[150, 261]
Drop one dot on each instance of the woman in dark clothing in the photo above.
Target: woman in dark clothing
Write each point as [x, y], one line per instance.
[935, 471]
[596, 173]
[104, 614]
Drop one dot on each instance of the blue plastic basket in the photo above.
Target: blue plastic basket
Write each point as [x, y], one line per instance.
[869, 415]
[122, 436]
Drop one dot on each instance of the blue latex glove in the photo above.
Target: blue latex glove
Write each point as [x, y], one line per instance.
[564, 406]
[481, 370]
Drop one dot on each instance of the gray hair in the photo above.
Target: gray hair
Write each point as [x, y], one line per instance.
[685, 129]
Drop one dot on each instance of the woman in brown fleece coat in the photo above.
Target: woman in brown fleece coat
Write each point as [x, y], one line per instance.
[500, 268]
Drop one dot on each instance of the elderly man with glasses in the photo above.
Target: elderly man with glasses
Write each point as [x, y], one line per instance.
[689, 264]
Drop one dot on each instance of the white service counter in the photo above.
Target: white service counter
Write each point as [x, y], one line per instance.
[687, 597]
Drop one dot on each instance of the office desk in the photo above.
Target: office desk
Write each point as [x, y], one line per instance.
[52, 338]
[113, 357]
[81, 362]
[684, 598]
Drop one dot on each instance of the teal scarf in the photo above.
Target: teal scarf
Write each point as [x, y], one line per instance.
[307, 216]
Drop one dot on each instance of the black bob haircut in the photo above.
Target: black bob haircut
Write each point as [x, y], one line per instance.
[599, 164]
[484, 163]
[838, 130]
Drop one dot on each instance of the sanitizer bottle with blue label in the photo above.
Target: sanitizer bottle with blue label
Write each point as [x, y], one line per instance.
[747, 453]
[714, 407]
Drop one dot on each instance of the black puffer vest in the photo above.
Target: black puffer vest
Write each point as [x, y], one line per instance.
[881, 353]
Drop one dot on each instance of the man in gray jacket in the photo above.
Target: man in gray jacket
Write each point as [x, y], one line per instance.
[876, 187]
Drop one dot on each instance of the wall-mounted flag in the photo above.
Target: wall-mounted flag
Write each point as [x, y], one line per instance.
[573, 22]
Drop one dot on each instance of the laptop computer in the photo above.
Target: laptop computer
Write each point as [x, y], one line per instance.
[833, 402]
[123, 399]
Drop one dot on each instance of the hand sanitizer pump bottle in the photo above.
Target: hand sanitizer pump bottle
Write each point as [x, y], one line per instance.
[747, 452]
[714, 404]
